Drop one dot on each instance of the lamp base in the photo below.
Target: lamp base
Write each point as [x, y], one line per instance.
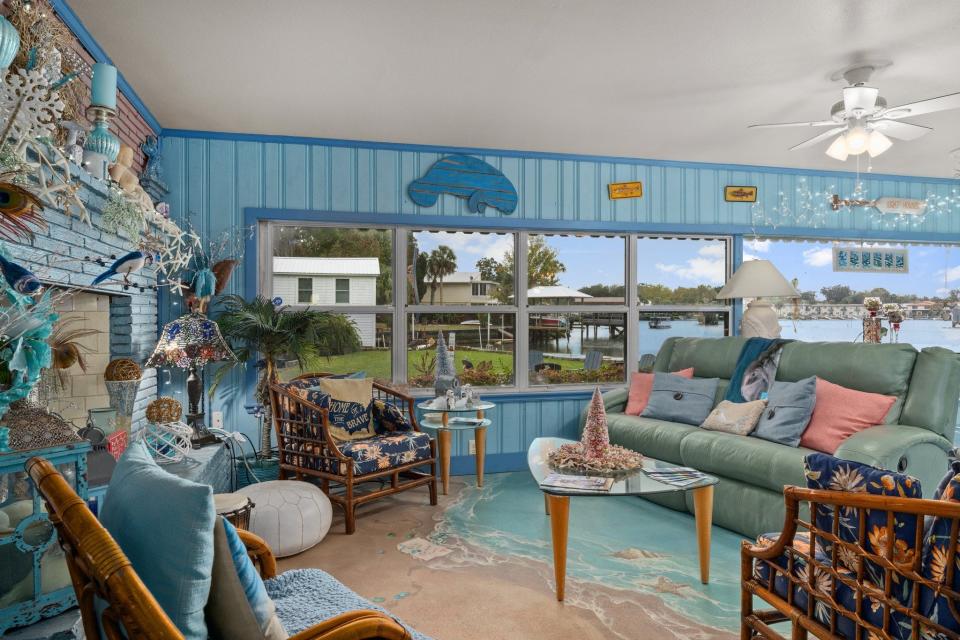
[760, 320]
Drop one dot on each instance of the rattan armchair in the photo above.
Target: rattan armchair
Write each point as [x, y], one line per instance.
[99, 569]
[307, 449]
[816, 579]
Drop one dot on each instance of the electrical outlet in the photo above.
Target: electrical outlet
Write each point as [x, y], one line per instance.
[472, 447]
[217, 419]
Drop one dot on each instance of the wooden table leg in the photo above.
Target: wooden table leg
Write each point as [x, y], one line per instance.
[703, 512]
[479, 443]
[559, 509]
[443, 442]
[546, 503]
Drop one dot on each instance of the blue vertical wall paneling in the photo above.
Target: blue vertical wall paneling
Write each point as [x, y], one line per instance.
[215, 178]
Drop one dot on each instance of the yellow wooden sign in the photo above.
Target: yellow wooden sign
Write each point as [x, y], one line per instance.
[740, 194]
[618, 190]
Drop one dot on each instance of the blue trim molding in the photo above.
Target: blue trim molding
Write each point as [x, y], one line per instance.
[76, 25]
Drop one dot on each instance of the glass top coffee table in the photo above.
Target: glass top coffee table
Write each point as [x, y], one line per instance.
[557, 502]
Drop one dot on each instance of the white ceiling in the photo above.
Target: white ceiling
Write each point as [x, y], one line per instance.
[664, 79]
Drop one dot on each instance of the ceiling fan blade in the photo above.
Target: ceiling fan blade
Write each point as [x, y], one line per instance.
[900, 130]
[820, 138]
[862, 99]
[819, 123]
[943, 103]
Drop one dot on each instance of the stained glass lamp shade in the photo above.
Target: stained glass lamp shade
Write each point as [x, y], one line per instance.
[190, 342]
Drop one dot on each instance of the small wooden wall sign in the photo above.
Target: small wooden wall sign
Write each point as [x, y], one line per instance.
[619, 190]
[740, 194]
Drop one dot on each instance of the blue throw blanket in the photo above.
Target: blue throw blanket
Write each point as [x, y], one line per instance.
[752, 349]
[305, 597]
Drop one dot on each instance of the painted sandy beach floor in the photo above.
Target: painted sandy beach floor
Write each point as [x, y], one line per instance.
[480, 565]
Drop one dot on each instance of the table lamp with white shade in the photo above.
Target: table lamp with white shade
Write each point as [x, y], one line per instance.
[758, 279]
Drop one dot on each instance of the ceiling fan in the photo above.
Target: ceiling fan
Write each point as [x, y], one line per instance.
[862, 121]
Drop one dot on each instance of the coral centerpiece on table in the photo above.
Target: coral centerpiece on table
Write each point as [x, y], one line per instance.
[594, 455]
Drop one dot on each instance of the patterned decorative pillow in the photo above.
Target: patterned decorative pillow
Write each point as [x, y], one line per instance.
[738, 418]
[827, 472]
[389, 418]
[349, 410]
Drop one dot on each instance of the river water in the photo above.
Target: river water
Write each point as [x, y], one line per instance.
[919, 333]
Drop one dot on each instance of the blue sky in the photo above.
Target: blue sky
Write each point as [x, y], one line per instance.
[674, 263]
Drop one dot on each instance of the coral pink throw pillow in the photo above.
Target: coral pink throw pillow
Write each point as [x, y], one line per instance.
[641, 384]
[840, 412]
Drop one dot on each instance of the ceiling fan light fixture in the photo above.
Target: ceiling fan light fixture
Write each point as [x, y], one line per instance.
[857, 140]
[878, 143]
[838, 149]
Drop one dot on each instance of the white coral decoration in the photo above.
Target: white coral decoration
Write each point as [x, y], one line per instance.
[37, 109]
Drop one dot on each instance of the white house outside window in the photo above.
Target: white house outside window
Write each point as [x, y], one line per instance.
[343, 291]
[304, 290]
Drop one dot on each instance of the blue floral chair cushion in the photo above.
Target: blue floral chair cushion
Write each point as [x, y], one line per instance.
[936, 546]
[823, 584]
[386, 451]
[389, 418]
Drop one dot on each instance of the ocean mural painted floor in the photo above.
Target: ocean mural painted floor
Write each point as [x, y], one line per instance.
[480, 565]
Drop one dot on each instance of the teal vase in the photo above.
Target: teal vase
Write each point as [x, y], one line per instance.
[9, 43]
[101, 141]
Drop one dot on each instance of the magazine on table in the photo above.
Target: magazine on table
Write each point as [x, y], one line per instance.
[577, 483]
[676, 476]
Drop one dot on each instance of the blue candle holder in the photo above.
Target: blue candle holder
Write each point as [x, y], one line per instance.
[100, 140]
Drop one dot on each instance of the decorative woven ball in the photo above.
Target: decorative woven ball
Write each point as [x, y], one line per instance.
[121, 370]
[163, 410]
[290, 515]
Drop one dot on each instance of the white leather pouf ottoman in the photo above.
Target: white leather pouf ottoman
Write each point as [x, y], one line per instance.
[290, 515]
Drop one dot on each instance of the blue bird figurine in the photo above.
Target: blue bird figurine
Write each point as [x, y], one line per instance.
[124, 266]
[21, 280]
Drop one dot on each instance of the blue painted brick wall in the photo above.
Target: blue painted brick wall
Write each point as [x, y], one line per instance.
[57, 254]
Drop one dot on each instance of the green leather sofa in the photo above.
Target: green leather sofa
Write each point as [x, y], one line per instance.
[917, 434]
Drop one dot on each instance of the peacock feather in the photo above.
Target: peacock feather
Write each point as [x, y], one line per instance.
[19, 209]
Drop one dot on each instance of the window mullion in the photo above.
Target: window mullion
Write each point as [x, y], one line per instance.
[399, 337]
[632, 342]
[521, 345]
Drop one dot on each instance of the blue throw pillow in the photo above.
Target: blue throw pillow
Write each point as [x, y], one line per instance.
[389, 418]
[789, 407]
[164, 524]
[676, 399]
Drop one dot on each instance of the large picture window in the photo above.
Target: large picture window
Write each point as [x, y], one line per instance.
[831, 303]
[516, 309]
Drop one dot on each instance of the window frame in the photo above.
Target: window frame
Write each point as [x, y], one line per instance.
[337, 291]
[300, 290]
[400, 309]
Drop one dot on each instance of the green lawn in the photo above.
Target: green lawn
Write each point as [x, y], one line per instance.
[376, 362]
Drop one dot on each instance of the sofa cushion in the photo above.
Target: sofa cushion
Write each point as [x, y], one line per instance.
[654, 438]
[709, 357]
[641, 384]
[751, 460]
[929, 402]
[680, 400]
[384, 452]
[936, 547]
[789, 407]
[827, 472]
[389, 418]
[164, 524]
[874, 368]
[840, 412]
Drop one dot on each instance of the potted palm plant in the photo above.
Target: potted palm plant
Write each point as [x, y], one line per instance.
[257, 328]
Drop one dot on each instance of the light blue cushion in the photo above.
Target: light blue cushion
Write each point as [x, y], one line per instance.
[789, 407]
[676, 399]
[250, 579]
[164, 524]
